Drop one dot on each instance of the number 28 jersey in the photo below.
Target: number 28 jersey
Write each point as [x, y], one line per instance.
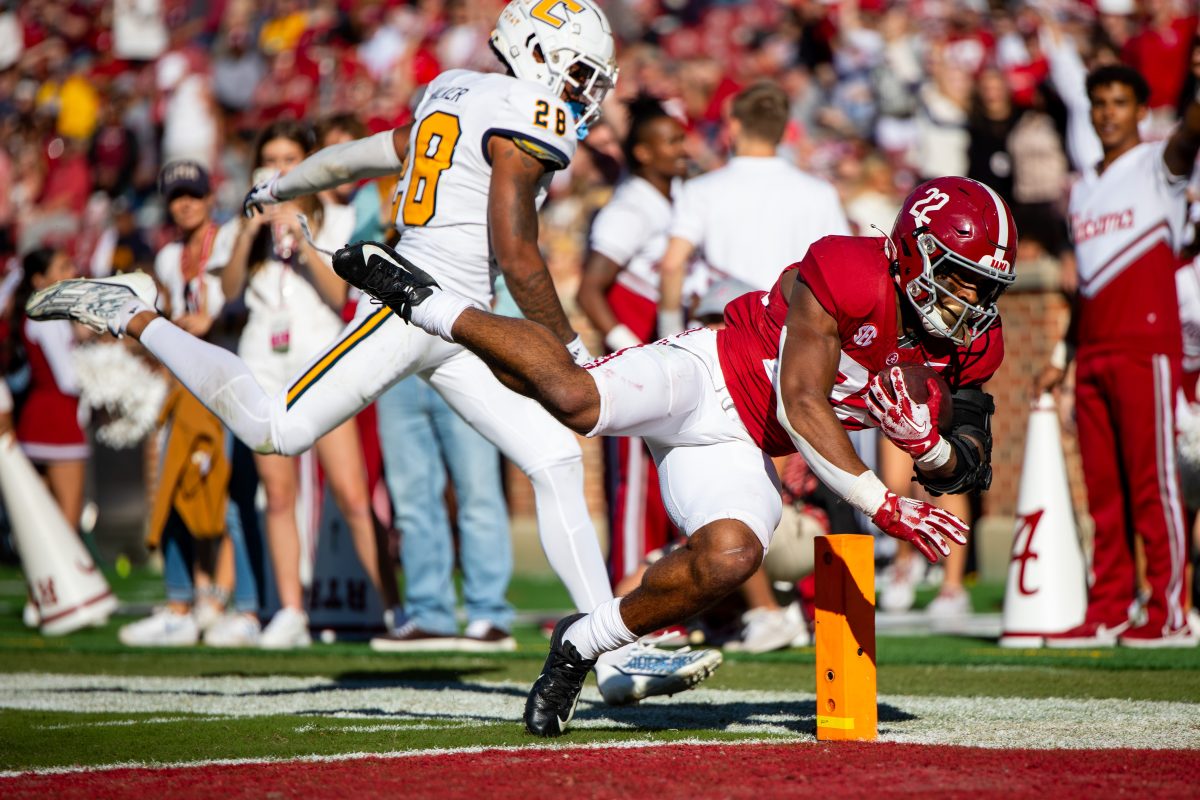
[442, 211]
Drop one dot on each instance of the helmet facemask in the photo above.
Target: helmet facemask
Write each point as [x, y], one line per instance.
[584, 83]
[573, 59]
[942, 312]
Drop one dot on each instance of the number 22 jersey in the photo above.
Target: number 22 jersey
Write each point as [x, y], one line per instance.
[442, 214]
[850, 277]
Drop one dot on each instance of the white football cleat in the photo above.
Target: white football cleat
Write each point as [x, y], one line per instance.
[646, 671]
[98, 303]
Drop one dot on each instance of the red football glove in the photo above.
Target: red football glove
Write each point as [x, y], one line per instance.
[923, 524]
[910, 425]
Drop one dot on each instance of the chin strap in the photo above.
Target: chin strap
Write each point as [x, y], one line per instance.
[579, 109]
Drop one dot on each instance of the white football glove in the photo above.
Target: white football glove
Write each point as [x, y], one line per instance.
[910, 425]
[262, 194]
[579, 351]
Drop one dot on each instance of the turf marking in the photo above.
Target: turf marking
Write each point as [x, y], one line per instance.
[1003, 722]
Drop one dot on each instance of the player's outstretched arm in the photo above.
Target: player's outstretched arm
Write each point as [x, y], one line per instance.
[672, 271]
[1184, 144]
[809, 352]
[371, 157]
[513, 230]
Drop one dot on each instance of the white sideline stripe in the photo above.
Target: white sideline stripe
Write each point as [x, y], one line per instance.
[120, 723]
[626, 744]
[1000, 722]
[455, 726]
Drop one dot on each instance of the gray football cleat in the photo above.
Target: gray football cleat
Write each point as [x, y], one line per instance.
[94, 302]
[648, 671]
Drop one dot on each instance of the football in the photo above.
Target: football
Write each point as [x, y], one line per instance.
[915, 376]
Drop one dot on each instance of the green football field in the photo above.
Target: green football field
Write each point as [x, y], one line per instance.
[85, 700]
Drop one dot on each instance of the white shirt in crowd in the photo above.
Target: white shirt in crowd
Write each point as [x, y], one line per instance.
[631, 230]
[754, 216]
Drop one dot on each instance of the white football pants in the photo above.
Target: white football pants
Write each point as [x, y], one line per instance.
[375, 350]
[672, 393]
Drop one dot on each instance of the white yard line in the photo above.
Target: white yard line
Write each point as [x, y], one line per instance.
[979, 722]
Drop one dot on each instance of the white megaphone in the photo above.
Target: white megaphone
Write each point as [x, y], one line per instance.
[1047, 581]
[68, 589]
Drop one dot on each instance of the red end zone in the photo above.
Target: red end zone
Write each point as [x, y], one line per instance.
[673, 771]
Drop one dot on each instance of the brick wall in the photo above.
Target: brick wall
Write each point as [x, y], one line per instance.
[1035, 315]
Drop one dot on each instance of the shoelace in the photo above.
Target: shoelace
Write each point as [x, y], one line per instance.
[566, 678]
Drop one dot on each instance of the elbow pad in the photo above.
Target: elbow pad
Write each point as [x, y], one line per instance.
[973, 411]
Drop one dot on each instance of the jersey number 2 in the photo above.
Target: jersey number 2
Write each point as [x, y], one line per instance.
[432, 153]
[932, 201]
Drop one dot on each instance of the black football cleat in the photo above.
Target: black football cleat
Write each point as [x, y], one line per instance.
[552, 700]
[385, 275]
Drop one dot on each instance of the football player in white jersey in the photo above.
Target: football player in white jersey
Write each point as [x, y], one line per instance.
[480, 155]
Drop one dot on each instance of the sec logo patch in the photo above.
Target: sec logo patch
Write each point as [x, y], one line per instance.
[865, 335]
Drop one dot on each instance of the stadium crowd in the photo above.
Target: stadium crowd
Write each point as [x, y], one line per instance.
[111, 113]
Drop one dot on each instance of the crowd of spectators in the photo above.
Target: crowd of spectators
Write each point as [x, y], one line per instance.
[96, 95]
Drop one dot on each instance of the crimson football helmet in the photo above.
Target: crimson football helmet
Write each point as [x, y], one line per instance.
[948, 230]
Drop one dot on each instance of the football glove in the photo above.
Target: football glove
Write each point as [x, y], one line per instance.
[910, 425]
[263, 193]
[923, 524]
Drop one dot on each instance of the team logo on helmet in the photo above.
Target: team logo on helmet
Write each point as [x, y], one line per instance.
[566, 45]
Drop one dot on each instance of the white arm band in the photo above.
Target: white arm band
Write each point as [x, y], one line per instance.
[670, 322]
[621, 337]
[6, 398]
[332, 166]
[863, 491]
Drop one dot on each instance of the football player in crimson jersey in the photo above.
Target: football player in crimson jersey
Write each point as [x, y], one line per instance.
[792, 370]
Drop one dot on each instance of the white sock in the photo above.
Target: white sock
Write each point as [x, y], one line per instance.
[436, 314]
[119, 321]
[600, 631]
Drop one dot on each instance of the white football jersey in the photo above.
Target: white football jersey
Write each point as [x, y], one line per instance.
[1123, 213]
[442, 212]
[631, 230]
[1126, 223]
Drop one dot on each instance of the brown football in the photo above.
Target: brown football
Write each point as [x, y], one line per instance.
[915, 376]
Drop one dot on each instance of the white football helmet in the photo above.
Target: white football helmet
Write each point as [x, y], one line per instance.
[566, 45]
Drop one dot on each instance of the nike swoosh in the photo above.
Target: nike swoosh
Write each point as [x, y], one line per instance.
[562, 723]
[370, 251]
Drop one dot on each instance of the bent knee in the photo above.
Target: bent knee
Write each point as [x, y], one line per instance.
[729, 553]
[575, 402]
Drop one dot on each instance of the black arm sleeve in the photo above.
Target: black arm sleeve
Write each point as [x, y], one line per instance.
[971, 438]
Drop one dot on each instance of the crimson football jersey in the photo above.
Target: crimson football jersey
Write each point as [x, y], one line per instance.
[849, 277]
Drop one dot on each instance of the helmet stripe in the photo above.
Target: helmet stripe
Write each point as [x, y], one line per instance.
[1001, 212]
